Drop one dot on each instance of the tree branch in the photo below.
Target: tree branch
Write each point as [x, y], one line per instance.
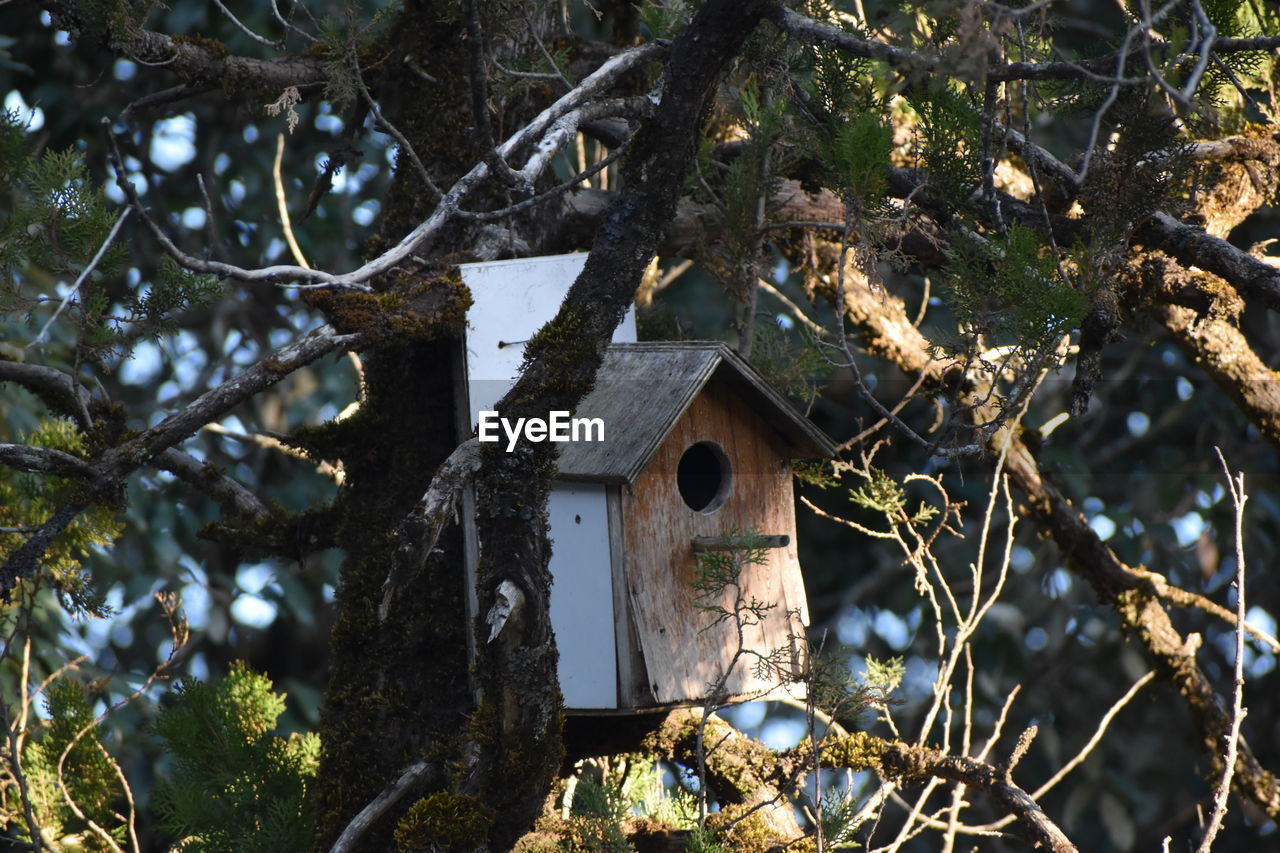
[1193, 247]
[1202, 317]
[118, 462]
[413, 775]
[234, 499]
[47, 460]
[59, 391]
[909, 61]
[542, 124]
[421, 529]
[198, 62]
[887, 333]
[902, 761]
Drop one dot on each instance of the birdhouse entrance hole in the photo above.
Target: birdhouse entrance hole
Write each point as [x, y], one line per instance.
[703, 476]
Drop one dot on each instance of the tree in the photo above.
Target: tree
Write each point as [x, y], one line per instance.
[1086, 187]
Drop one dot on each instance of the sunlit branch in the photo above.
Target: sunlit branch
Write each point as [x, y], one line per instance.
[1223, 789]
[413, 775]
[1192, 246]
[282, 204]
[905, 761]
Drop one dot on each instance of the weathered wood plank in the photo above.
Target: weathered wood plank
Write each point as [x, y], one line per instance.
[683, 652]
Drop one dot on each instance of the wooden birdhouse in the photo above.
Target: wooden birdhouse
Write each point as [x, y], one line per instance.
[695, 447]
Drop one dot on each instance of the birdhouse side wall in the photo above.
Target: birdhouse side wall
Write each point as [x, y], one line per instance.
[682, 652]
[582, 599]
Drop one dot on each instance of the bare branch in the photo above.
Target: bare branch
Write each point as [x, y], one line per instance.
[47, 460]
[80, 279]
[905, 762]
[1202, 317]
[14, 760]
[533, 31]
[1255, 279]
[406, 147]
[162, 98]
[295, 276]
[234, 498]
[1223, 789]
[282, 204]
[58, 390]
[559, 135]
[1185, 598]
[421, 529]
[887, 332]
[275, 11]
[413, 775]
[480, 103]
[250, 33]
[118, 462]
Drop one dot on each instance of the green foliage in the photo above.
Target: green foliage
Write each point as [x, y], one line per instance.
[859, 156]
[720, 571]
[844, 133]
[815, 472]
[950, 140]
[56, 216]
[644, 789]
[596, 819]
[1148, 168]
[627, 788]
[55, 223]
[442, 821]
[856, 158]
[883, 494]
[1252, 68]
[89, 775]
[886, 675]
[836, 814]
[837, 692]
[173, 290]
[1007, 288]
[235, 785]
[793, 364]
[748, 178]
[837, 84]
[27, 500]
[664, 18]
[705, 840]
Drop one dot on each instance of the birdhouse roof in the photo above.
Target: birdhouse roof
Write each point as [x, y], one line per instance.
[642, 389]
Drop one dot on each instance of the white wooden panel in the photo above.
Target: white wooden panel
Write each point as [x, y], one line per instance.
[582, 596]
[512, 300]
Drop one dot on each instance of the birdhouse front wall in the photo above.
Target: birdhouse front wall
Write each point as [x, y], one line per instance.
[682, 654]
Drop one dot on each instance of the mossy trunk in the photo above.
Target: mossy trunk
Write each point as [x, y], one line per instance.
[399, 690]
[398, 686]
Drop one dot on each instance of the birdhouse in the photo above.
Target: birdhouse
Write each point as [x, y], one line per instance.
[680, 447]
